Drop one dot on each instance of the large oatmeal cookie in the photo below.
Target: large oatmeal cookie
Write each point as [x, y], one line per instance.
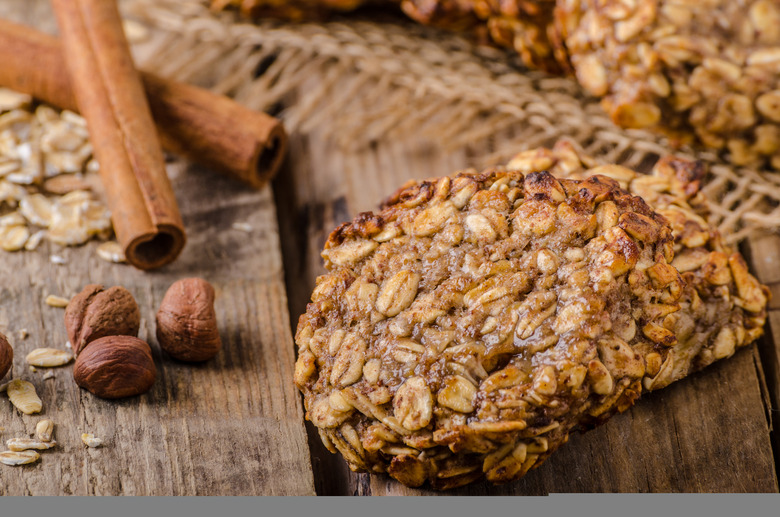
[470, 325]
[708, 69]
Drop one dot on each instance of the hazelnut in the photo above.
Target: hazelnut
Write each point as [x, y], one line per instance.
[97, 312]
[187, 323]
[113, 367]
[6, 356]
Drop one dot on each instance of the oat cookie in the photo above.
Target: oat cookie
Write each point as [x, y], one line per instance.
[707, 70]
[295, 10]
[526, 26]
[474, 321]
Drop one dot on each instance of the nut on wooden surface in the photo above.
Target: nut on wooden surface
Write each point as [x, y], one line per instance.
[114, 367]
[97, 312]
[187, 322]
[6, 356]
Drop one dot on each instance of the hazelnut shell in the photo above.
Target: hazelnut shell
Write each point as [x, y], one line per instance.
[115, 366]
[97, 312]
[187, 323]
[6, 356]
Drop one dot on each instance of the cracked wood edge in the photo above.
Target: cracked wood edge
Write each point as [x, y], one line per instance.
[764, 254]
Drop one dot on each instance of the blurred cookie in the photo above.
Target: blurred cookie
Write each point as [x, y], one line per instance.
[706, 71]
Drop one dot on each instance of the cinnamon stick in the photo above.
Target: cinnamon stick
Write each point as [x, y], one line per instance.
[208, 128]
[111, 98]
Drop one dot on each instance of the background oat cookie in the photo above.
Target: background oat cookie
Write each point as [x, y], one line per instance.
[697, 69]
[526, 26]
[465, 329]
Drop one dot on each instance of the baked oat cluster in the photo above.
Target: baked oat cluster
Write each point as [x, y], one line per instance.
[525, 26]
[707, 70]
[468, 327]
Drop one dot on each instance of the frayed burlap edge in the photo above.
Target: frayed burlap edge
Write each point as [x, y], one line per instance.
[364, 81]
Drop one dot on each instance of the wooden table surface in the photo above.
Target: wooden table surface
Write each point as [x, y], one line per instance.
[235, 424]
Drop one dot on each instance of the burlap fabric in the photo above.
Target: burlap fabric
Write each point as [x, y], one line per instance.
[360, 81]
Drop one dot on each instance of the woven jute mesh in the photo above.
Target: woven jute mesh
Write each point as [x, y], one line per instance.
[364, 81]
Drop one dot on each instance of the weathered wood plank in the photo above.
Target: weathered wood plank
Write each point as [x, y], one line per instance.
[231, 426]
[708, 433]
[764, 253]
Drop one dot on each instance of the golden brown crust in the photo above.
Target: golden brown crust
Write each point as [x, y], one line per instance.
[466, 328]
[723, 307]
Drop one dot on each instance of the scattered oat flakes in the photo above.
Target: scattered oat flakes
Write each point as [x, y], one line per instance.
[8, 166]
[73, 118]
[48, 375]
[135, 32]
[90, 440]
[68, 345]
[49, 357]
[34, 240]
[45, 156]
[24, 444]
[37, 209]
[33, 369]
[12, 219]
[13, 238]
[10, 100]
[22, 395]
[44, 430]
[23, 334]
[66, 183]
[93, 165]
[57, 259]
[22, 178]
[244, 227]
[111, 251]
[18, 458]
[57, 301]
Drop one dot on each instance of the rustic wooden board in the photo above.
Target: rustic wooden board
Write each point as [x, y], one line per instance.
[231, 426]
[235, 425]
[764, 253]
[708, 433]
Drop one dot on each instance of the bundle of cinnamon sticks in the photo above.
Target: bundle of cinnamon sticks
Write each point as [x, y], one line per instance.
[129, 115]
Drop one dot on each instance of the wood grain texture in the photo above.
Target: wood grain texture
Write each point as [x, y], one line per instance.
[764, 253]
[230, 426]
[707, 433]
